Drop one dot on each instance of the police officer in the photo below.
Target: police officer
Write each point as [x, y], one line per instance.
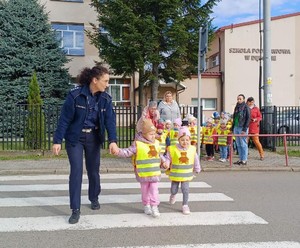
[86, 114]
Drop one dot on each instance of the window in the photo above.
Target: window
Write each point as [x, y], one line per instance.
[213, 61]
[207, 103]
[71, 37]
[119, 89]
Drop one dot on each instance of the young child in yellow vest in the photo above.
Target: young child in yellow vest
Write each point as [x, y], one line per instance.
[183, 160]
[161, 136]
[147, 161]
[208, 140]
[193, 130]
[223, 140]
[174, 131]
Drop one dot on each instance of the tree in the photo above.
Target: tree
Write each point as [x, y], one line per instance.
[29, 44]
[35, 131]
[157, 38]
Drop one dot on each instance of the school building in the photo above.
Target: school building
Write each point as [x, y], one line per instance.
[232, 60]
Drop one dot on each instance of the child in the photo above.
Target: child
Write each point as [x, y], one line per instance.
[174, 131]
[222, 140]
[183, 160]
[207, 139]
[161, 136]
[193, 130]
[146, 161]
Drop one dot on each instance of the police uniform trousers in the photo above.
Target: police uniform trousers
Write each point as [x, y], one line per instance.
[89, 145]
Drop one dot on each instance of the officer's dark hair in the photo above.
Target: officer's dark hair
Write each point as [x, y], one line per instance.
[87, 74]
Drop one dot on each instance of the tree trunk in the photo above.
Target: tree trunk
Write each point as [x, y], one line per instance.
[141, 87]
[154, 82]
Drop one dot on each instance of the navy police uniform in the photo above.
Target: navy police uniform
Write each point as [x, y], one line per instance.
[82, 123]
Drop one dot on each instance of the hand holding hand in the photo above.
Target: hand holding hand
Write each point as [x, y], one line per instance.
[164, 165]
[113, 148]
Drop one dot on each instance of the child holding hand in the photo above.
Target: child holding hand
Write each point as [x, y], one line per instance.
[183, 161]
[147, 160]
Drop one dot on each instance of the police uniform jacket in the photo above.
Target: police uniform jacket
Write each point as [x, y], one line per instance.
[74, 112]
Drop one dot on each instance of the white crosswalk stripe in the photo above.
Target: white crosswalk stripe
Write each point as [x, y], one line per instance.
[56, 187]
[284, 244]
[43, 185]
[105, 199]
[87, 222]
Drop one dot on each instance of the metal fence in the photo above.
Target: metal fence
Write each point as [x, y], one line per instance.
[280, 120]
[14, 122]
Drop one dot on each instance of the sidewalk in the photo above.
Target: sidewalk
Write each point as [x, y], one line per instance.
[272, 162]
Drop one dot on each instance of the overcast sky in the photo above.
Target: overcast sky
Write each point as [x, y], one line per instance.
[229, 12]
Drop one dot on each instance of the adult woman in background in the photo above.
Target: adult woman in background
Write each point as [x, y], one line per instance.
[149, 112]
[168, 108]
[254, 125]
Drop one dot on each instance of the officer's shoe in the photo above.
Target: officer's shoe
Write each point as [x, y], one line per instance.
[95, 205]
[74, 218]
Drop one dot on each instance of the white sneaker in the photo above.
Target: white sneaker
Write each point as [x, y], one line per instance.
[147, 210]
[223, 160]
[186, 210]
[155, 212]
[172, 199]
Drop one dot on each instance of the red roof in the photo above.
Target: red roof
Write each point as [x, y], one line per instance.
[208, 75]
[256, 21]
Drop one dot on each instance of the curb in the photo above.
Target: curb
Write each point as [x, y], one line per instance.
[129, 170]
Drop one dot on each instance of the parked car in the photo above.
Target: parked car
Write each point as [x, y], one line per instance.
[288, 122]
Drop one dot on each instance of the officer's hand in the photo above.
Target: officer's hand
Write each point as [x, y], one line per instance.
[56, 149]
[113, 148]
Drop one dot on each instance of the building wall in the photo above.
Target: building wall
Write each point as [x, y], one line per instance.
[240, 61]
[75, 12]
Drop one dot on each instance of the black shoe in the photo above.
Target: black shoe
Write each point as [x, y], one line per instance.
[75, 216]
[238, 162]
[243, 163]
[95, 205]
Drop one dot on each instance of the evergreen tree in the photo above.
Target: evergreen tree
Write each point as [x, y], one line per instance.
[29, 44]
[35, 129]
[157, 38]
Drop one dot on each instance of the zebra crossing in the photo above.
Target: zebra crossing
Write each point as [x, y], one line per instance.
[39, 190]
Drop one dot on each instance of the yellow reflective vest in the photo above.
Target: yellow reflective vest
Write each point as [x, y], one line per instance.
[147, 160]
[222, 139]
[162, 142]
[194, 136]
[174, 136]
[182, 166]
[207, 137]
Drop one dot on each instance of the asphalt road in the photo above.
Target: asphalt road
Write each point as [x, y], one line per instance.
[273, 197]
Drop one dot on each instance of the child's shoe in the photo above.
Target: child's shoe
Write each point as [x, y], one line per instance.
[147, 210]
[155, 212]
[172, 199]
[186, 210]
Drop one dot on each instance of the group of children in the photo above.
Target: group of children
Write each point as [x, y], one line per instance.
[172, 147]
[215, 136]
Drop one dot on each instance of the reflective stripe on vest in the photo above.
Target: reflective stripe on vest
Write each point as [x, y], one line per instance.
[162, 142]
[174, 137]
[182, 163]
[222, 140]
[147, 159]
[207, 135]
